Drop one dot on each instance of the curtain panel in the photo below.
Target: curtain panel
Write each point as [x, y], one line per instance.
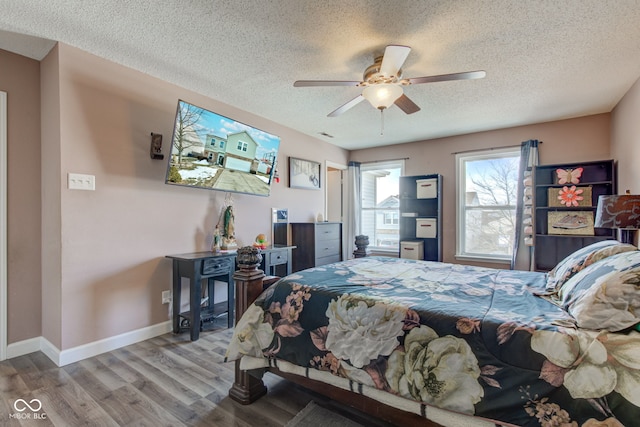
[522, 255]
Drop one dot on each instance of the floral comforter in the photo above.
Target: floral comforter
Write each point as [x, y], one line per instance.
[468, 339]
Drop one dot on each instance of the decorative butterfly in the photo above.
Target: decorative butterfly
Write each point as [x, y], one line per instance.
[566, 176]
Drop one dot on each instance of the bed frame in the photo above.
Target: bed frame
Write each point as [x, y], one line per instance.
[248, 385]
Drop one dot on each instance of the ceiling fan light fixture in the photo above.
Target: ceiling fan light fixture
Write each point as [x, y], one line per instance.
[382, 95]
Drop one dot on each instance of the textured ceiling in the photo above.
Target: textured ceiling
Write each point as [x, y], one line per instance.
[545, 60]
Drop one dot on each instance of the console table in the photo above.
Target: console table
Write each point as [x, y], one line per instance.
[197, 266]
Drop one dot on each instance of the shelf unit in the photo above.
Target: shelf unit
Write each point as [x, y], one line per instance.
[552, 248]
[416, 211]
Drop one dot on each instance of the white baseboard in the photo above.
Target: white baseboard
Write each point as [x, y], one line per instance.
[23, 347]
[85, 351]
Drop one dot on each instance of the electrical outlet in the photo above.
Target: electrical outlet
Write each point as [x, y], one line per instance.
[166, 297]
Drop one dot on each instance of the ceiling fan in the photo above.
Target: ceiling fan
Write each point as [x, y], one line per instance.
[382, 82]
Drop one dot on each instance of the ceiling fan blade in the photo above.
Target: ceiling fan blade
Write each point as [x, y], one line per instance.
[469, 75]
[312, 83]
[407, 105]
[394, 57]
[344, 107]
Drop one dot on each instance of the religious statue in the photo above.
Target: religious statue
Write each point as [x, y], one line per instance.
[215, 244]
[228, 231]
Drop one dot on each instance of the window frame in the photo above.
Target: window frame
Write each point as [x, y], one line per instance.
[373, 166]
[461, 207]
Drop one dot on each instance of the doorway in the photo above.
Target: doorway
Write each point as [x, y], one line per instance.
[334, 196]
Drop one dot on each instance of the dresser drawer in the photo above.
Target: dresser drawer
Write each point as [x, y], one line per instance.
[278, 257]
[217, 266]
[327, 247]
[327, 232]
[327, 259]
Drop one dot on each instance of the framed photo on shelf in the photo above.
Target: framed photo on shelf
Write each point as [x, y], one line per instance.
[304, 174]
[570, 222]
[570, 196]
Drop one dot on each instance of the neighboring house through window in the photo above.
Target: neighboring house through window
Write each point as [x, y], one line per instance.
[380, 204]
[486, 203]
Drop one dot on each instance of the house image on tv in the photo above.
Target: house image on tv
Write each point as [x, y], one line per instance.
[215, 149]
[237, 152]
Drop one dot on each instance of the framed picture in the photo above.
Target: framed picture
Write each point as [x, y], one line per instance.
[304, 174]
[570, 222]
[571, 197]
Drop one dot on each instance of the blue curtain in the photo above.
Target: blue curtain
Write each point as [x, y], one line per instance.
[352, 223]
[521, 258]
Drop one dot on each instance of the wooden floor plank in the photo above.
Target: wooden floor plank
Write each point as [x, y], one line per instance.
[146, 370]
[165, 381]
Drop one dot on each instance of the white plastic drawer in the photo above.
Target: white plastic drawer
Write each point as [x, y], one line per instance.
[427, 188]
[426, 227]
[412, 250]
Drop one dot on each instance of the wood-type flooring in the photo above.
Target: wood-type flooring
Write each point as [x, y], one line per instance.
[164, 381]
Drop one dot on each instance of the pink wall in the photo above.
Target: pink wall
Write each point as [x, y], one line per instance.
[20, 78]
[575, 140]
[51, 203]
[114, 240]
[625, 140]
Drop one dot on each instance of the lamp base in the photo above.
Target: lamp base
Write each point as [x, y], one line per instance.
[627, 236]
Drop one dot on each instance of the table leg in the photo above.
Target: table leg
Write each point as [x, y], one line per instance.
[194, 303]
[231, 291]
[176, 297]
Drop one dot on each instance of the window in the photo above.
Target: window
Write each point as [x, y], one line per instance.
[242, 146]
[390, 218]
[380, 204]
[486, 203]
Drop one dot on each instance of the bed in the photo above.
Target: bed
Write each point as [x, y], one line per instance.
[412, 341]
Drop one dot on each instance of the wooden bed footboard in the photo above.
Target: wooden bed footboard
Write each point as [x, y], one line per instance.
[248, 387]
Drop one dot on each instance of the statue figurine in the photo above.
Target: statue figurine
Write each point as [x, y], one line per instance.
[215, 244]
[228, 234]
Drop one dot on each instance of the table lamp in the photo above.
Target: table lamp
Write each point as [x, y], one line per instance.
[621, 212]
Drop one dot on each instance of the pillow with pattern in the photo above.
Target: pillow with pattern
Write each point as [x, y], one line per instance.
[583, 258]
[605, 295]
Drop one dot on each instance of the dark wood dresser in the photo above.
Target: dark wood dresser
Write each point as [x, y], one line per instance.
[317, 243]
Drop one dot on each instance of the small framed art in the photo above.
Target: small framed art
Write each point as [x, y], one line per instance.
[570, 196]
[570, 222]
[304, 174]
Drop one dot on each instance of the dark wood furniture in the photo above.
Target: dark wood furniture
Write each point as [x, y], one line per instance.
[550, 249]
[249, 387]
[213, 266]
[198, 266]
[277, 260]
[318, 243]
[420, 210]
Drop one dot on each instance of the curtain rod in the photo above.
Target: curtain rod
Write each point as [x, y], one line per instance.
[491, 148]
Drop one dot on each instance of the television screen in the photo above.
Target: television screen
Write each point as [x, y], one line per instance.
[217, 153]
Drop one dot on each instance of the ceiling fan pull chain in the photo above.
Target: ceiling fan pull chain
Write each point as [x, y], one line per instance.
[381, 121]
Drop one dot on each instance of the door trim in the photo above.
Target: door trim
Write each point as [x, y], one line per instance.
[3, 226]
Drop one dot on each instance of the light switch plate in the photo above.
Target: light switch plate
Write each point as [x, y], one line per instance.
[78, 181]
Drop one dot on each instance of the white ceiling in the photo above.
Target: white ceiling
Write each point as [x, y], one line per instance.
[545, 60]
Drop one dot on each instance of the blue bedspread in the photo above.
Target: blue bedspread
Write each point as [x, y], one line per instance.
[468, 339]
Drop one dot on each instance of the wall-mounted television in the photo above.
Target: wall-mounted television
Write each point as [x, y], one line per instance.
[217, 153]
